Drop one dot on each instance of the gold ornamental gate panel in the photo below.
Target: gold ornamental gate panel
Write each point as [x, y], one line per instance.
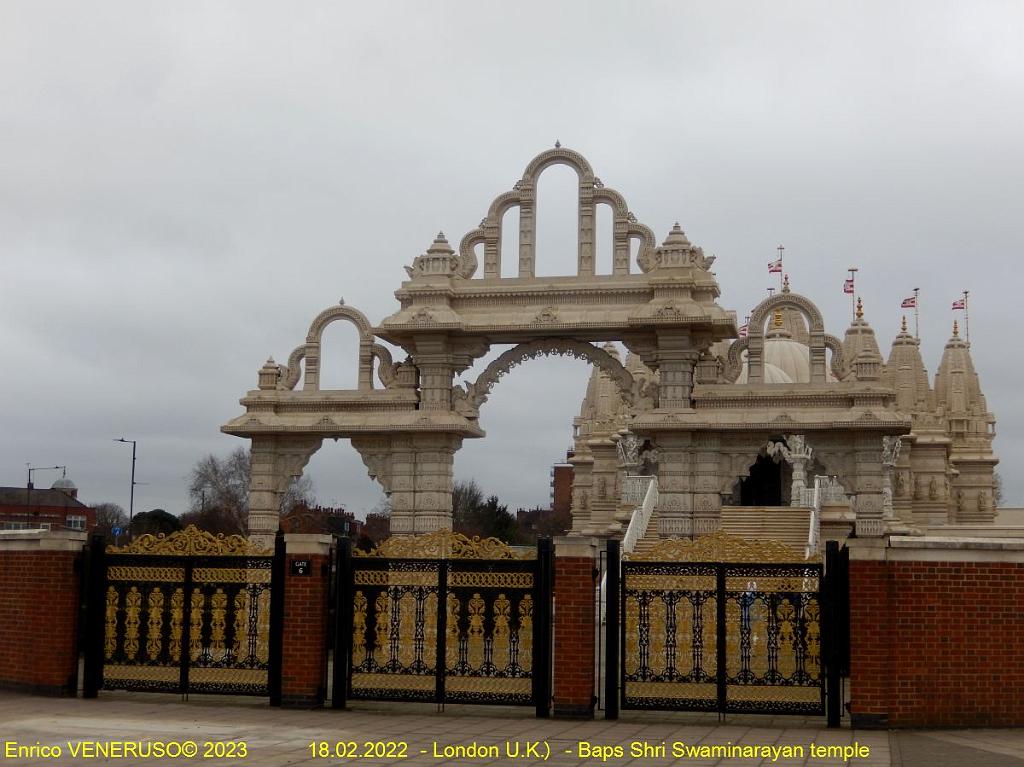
[187, 613]
[446, 619]
[719, 624]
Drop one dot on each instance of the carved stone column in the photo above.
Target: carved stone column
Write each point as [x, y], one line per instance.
[275, 462]
[675, 492]
[436, 365]
[415, 471]
[868, 502]
[707, 500]
[676, 360]
[890, 455]
[799, 456]
[582, 488]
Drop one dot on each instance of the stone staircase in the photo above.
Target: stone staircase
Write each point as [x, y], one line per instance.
[788, 524]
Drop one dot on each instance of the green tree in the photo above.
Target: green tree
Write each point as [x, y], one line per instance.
[472, 514]
[154, 522]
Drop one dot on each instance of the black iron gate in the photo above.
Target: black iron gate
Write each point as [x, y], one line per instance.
[725, 636]
[443, 619]
[187, 613]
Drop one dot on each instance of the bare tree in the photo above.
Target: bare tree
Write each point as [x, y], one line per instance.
[108, 516]
[219, 490]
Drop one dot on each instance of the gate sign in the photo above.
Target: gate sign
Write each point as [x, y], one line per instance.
[301, 567]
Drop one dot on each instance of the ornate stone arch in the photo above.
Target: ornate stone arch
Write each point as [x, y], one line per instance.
[524, 195]
[838, 364]
[314, 340]
[477, 392]
[755, 337]
[734, 360]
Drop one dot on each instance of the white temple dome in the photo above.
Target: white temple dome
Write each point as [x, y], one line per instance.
[785, 361]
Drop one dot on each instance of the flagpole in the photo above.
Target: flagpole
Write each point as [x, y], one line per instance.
[853, 301]
[967, 322]
[917, 301]
[781, 268]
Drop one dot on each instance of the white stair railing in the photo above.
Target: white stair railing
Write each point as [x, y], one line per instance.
[641, 516]
[814, 531]
[639, 520]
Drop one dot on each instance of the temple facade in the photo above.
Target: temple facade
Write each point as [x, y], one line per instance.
[784, 412]
[723, 422]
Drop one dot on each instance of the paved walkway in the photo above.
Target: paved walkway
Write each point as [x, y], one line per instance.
[118, 726]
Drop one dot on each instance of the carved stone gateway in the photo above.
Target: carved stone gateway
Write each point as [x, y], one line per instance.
[692, 403]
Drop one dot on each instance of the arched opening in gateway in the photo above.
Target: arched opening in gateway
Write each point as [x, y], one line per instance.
[769, 482]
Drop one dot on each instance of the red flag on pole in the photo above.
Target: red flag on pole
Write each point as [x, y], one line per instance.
[744, 330]
[959, 304]
[909, 303]
[775, 266]
[848, 287]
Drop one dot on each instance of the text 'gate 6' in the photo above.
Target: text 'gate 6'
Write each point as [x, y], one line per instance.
[445, 619]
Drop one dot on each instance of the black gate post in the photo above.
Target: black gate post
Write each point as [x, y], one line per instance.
[832, 600]
[186, 630]
[96, 578]
[720, 646]
[542, 628]
[276, 639]
[611, 598]
[342, 622]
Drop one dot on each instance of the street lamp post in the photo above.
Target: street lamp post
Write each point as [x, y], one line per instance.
[131, 494]
[29, 486]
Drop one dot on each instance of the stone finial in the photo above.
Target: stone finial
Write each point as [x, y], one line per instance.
[439, 260]
[860, 309]
[558, 144]
[956, 329]
[903, 325]
[678, 251]
[785, 284]
[268, 375]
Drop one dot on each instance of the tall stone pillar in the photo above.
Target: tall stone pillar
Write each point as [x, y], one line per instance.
[415, 471]
[890, 455]
[868, 502]
[435, 454]
[707, 500]
[676, 361]
[799, 457]
[675, 492]
[274, 463]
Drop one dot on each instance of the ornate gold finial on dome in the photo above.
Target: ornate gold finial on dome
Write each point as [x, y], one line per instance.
[785, 284]
[956, 329]
[903, 326]
[860, 309]
[777, 319]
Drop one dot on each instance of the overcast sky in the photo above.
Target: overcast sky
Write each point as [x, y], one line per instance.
[184, 186]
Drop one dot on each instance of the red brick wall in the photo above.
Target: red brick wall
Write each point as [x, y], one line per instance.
[39, 598]
[937, 644]
[574, 635]
[304, 649]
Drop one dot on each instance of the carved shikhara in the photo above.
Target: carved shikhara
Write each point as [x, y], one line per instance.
[676, 391]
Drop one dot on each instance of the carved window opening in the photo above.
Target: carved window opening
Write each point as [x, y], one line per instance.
[339, 356]
[604, 236]
[508, 255]
[556, 222]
